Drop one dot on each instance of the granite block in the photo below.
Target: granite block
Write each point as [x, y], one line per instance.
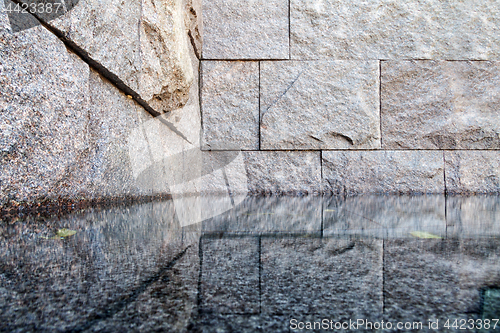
[472, 171]
[250, 29]
[320, 105]
[440, 104]
[230, 105]
[391, 29]
[353, 172]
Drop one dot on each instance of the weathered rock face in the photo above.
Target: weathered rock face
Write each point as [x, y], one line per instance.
[472, 171]
[42, 103]
[144, 43]
[320, 105]
[65, 130]
[245, 29]
[353, 172]
[440, 104]
[230, 94]
[391, 29]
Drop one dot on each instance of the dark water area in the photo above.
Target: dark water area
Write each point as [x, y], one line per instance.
[259, 264]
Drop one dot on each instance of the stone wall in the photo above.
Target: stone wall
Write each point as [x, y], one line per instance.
[347, 97]
[74, 88]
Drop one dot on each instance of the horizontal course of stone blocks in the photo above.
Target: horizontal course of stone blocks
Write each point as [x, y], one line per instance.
[393, 97]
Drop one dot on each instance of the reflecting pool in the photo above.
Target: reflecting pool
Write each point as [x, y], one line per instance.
[257, 264]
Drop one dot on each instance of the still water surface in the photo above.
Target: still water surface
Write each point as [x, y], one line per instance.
[274, 264]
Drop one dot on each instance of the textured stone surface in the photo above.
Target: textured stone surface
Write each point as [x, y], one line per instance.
[326, 277]
[166, 73]
[111, 116]
[283, 172]
[354, 172]
[230, 275]
[245, 29]
[230, 109]
[390, 29]
[4, 19]
[472, 171]
[43, 119]
[438, 279]
[320, 105]
[144, 43]
[473, 216]
[271, 215]
[440, 105]
[385, 216]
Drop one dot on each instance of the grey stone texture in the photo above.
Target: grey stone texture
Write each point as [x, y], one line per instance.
[384, 216]
[473, 171]
[245, 29]
[144, 44]
[391, 29]
[43, 103]
[320, 105]
[324, 277]
[266, 172]
[230, 109]
[440, 104]
[283, 172]
[66, 130]
[230, 275]
[354, 172]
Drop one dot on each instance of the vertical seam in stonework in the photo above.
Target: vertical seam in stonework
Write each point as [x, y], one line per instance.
[444, 173]
[260, 274]
[322, 214]
[200, 77]
[383, 276]
[445, 195]
[380, 100]
[321, 189]
[289, 30]
[200, 255]
[259, 111]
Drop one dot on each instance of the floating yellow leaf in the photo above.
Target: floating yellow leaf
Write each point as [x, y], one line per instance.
[423, 234]
[65, 232]
[330, 210]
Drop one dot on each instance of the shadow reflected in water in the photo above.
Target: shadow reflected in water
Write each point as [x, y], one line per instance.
[254, 267]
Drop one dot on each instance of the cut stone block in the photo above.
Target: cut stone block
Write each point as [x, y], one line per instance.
[391, 29]
[473, 171]
[283, 172]
[339, 279]
[230, 105]
[440, 105]
[473, 216]
[352, 172]
[320, 105]
[245, 29]
[230, 275]
[385, 216]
